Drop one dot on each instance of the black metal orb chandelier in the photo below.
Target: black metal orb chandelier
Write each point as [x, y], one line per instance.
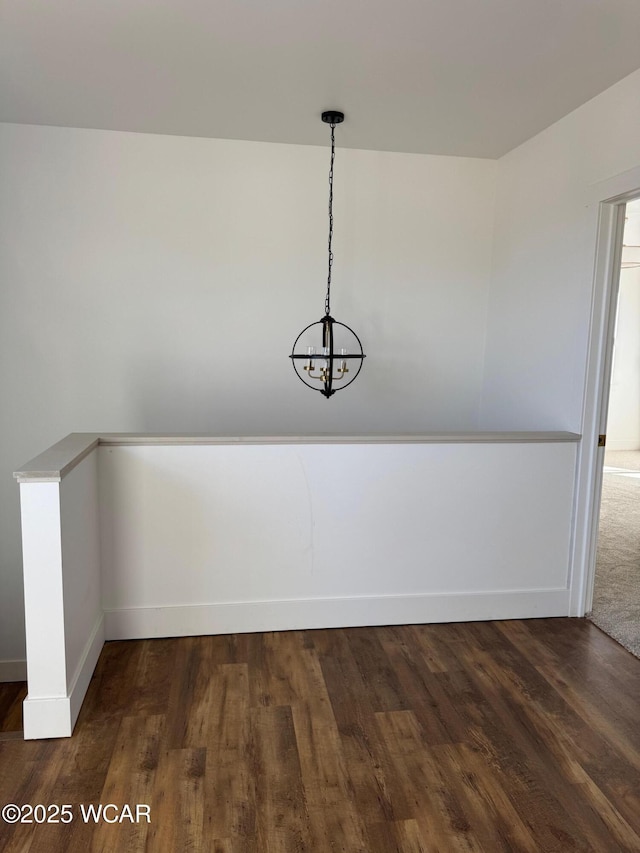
[327, 355]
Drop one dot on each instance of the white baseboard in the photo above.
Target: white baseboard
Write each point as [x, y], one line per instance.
[288, 615]
[622, 444]
[47, 717]
[55, 716]
[85, 668]
[13, 670]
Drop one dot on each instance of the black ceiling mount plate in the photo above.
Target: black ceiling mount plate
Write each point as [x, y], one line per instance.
[333, 117]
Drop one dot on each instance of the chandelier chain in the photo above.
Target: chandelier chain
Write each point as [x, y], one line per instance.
[327, 302]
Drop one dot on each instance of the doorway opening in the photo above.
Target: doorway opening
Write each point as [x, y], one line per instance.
[616, 591]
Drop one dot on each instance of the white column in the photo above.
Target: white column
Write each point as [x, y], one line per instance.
[47, 711]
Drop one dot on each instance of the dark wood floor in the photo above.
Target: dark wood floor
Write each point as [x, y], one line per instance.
[503, 736]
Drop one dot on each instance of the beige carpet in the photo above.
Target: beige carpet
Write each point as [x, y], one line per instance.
[616, 596]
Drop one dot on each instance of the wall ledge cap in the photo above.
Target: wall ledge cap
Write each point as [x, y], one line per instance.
[54, 464]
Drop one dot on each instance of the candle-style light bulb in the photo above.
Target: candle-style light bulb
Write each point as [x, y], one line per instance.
[311, 351]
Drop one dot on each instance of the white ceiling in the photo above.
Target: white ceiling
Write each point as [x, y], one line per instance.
[458, 77]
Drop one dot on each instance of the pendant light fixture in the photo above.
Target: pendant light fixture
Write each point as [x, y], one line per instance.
[327, 355]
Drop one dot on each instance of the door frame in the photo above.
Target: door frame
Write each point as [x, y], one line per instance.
[607, 199]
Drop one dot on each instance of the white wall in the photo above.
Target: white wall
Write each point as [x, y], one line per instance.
[156, 283]
[222, 538]
[545, 236]
[623, 418]
[623, 423]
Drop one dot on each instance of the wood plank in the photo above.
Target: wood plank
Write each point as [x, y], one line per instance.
[229, 797]
[130, 780]
[177, 802]
[28, 775]
[370, 769]
[397, 837]
[12, 695]
[434, 709]
[442, 815]
[282, 821]
[492, 814]
[328, 788]
[382, 689]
